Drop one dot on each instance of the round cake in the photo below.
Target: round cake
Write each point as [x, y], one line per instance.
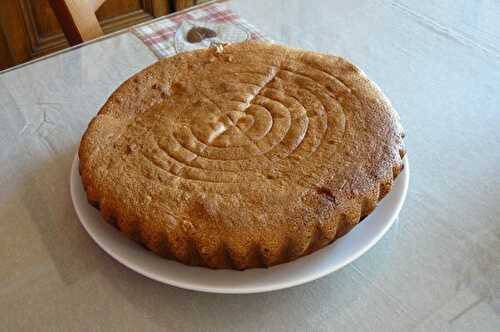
[243, 155]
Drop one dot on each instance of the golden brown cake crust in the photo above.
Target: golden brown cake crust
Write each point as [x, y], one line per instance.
[241, 156]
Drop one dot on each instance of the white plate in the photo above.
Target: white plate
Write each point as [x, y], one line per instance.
[331, 258]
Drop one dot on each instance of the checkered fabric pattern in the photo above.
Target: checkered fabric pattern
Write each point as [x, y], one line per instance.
[159, 35]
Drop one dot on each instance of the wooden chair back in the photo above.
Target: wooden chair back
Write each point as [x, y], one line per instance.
[77, 19]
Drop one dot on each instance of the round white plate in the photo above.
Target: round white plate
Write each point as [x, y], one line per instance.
[322, 262]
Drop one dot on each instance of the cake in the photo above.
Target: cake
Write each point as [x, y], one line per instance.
[241, 156]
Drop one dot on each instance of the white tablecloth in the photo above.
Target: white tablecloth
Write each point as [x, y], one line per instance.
[438, 269]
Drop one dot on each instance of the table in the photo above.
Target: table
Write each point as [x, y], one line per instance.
[438, 269]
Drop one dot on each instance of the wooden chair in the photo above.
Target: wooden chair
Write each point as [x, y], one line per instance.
[79, 22]
[77, 19]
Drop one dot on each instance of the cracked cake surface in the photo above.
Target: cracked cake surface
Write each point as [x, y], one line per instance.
[243, 155]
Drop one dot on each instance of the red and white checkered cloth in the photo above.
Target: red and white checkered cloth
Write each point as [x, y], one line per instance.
[166, 36]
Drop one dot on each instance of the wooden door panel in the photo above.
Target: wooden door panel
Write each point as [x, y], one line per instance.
[5, 56]
[44, 20]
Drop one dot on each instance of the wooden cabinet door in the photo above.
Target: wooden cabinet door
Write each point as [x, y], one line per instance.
[30, 29]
